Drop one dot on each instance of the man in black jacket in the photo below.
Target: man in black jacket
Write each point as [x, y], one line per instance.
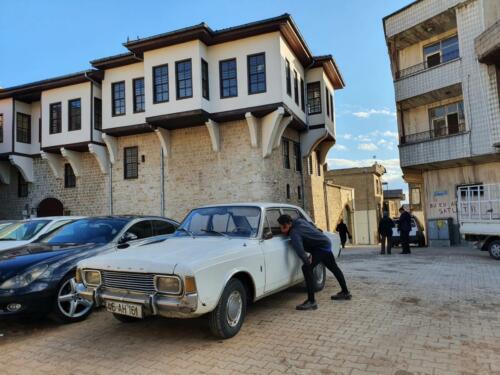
[343, 232]
[304, 237]
[404, 227]
[385, 231]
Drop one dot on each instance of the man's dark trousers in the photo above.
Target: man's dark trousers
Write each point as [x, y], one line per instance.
[387, 239]
[405, 241]
[327, 258]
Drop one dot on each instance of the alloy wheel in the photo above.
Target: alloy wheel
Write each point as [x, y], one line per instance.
[70, 303]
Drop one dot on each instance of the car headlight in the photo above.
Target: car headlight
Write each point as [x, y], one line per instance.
[168, 284]
[91, 277]
[24, 279]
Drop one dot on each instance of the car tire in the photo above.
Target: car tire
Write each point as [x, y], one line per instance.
[494, 249]
[226, 319]
[319, 273]
[68, 307]
[125, 318]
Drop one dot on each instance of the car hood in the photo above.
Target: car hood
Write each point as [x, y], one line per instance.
[164, 257]
[16, 260]
[4, 245]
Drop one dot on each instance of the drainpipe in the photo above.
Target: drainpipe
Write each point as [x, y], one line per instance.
[110, 207]
[162, 183]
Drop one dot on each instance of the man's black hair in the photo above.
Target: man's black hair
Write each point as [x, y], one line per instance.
[285, 219]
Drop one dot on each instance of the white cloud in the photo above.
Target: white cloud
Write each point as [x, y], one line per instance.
[341, 147]
[367, 147]
[392, 167]
[388, 133]
[347, 136]
[370, 112]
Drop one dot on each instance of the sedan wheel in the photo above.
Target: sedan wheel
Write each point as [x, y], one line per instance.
[69, 307]
[234, 308]
[494, 249]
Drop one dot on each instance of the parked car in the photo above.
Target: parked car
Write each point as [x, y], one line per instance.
[417, 235]
[38, 278]
[219, 259]
[27, 231]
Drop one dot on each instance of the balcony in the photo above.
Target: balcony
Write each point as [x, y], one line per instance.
[432, 134]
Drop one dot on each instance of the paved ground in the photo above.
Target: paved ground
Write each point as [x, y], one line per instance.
[434, 312]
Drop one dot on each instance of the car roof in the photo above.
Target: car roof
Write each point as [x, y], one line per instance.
[129, 217]
[254, 204]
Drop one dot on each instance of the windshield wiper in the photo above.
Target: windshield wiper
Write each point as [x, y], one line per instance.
[214, 231]
[187, 231]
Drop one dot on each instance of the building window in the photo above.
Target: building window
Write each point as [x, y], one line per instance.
[55, 118]
[1, 127]
[22, 186]
[288, 78]
[441, 52]
[327, 103]
[23, 128]
[228, 78]
[296, 87]
[69, 176]
[118, 98]
[447, 119]
[288, 195]
[299, 192]
[131, 162]
[297, 157]
[97, 113]
[205, 88]
[74, 114]
[256, 65]
[183, 78]
[160, 84]
[139, 102]
[415, 198]
[313, 98]
[318, 163]
[310, 165]
[286, 153]
[302, 100]
[331, 106]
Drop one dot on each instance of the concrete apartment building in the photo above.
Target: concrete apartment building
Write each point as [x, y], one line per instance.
[393, 199]
[189, 117]
[445, 64]
[368, 201]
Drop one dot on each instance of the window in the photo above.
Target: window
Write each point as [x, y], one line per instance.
[162, 227]
[139, 102]
[288, 78]
[299, 192]
[142, 229]
[256, 65]
[1, 127]
[228, 78]
[302, 101]
[296, 87]
[287, 191]
[272, 216]
[318, 163]
[297, 157]
[22, 186]
[313, 98]
[69, 176]
[294, 214]
[183, 78]
[23, 128]
[118, 98]
[74, 114]
[286, 154]
[310, 164]
[97, 113]
[327, 103]
[331, 106]
[441, 52]
[415, 201]
[446, 120]
[55, 118]
[160, 84]
[131, 162]
[205, 88]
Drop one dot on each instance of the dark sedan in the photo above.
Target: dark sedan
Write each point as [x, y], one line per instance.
[38, 278]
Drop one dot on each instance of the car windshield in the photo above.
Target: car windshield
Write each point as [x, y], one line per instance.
[22, 231]
[83, 231]
[224, 221]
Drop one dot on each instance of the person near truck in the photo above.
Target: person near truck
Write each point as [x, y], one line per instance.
[385, 231]
[404, 227]
[304, 237]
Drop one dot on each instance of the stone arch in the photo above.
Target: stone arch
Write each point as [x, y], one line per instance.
[50, 207]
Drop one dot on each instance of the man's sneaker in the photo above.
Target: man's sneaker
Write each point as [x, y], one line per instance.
[307, 305]
[341, 296]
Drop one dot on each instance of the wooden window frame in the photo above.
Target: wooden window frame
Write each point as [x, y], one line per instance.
[156, 85]
[221, 80]
[57, 120]
[257, 74]
[114, 99]
[127, 163]
[74, 115]
[139, 98]
[187, 80]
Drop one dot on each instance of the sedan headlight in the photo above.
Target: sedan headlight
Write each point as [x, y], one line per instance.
[24, 279]
[168, 284]
[91, 277]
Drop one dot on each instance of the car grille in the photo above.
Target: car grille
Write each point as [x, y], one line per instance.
[137, 282]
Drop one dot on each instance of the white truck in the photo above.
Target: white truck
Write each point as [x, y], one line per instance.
[479, 216]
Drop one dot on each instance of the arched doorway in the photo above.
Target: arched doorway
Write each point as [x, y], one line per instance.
[50, 207]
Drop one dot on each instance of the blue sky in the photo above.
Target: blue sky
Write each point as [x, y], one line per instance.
[42, 39]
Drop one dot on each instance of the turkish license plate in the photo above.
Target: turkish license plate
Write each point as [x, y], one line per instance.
[122, 308]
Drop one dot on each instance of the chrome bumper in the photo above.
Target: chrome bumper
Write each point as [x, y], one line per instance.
[156, 304]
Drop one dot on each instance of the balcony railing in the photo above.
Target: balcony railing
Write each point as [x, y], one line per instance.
[432, 134]
[427, 64]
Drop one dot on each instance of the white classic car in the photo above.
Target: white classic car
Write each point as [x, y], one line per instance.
[221, 258]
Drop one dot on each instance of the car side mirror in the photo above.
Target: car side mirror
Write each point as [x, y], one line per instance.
[127, 237]
[268, 235]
